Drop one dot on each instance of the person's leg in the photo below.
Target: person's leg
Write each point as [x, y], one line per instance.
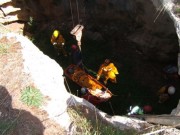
[106, 79]
[113, 80]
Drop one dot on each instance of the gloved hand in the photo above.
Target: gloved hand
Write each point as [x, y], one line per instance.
[54, 43]
[98, 76]
[62, 43]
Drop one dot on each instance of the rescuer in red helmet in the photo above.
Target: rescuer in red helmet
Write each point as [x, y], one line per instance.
[76, 55]
[147, 109]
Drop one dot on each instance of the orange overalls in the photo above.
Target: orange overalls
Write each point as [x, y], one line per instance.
[107, 71]
[163, 94]
[58, 44]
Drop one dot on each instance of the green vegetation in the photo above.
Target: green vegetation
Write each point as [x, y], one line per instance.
[177, 10]
[32, 26]
[32, 97]
[93, 127]
[4, 48]
[30, 23]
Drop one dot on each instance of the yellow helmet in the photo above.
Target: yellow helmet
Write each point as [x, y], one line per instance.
[56, 33]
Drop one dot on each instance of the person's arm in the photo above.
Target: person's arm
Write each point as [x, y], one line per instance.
[114, 69]
[99, 72]
[52, 39]
[62, 40]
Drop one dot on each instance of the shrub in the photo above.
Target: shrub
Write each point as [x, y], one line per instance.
[93, 127]
[177, 10]
[32, 97]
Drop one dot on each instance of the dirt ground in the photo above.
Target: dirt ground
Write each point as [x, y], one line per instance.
[17, 118]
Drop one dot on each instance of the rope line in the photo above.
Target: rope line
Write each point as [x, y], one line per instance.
[67, 85]
[163, 8]
[89, 70]
[69, 89]
[77, 10]
[111, 107]
[71, 12]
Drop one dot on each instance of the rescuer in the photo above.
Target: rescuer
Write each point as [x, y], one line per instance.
[107, 71]
[58, 42]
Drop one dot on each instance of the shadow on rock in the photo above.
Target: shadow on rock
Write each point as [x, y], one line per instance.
[14, 121]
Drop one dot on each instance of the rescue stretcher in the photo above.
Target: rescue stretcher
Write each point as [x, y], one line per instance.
[96, 92]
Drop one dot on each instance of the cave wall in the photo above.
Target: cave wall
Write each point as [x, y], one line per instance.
[171, 10]
[144, 22]
[156, 38]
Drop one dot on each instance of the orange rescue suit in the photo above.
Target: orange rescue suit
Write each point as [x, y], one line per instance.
[107, 71]
[82, 78]
[58, 44]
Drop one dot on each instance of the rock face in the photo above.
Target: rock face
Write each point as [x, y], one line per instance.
[51, 83]
[46, 75]
[176, 111]
[149, 24]
[152, 38]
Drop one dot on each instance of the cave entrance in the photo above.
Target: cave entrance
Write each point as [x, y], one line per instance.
[139, 47]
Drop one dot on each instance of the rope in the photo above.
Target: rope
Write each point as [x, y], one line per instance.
[84, 10]
[111, 107]
[163, 8]
[69, 89]
[77, 93]
[89, 70]
[67, 85]
[71, 12]
[77, 10]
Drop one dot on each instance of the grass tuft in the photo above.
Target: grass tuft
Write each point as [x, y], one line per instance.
[177, 10]
[32, 97]
[85, 126]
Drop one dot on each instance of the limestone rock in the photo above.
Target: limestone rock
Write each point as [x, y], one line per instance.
[1, 14]
[9, 9]
[7, 19]
[176, 111]
[4, 1]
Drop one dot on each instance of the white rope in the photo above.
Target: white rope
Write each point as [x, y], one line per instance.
[111, 107]
[69, 89]
[77, 10]
[67, 85]
[163, 8]
[71, 12]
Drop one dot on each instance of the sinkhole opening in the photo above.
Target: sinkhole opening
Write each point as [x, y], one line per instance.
[144, 49]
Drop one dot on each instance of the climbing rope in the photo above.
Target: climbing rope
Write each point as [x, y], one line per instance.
[89, 70]
[77, 10]
[161, 11]
[71, 12]
[111, 107]
[67, 85]
[69, 89]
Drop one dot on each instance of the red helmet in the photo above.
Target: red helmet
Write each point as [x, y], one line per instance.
[147, 108]
[74, 47]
